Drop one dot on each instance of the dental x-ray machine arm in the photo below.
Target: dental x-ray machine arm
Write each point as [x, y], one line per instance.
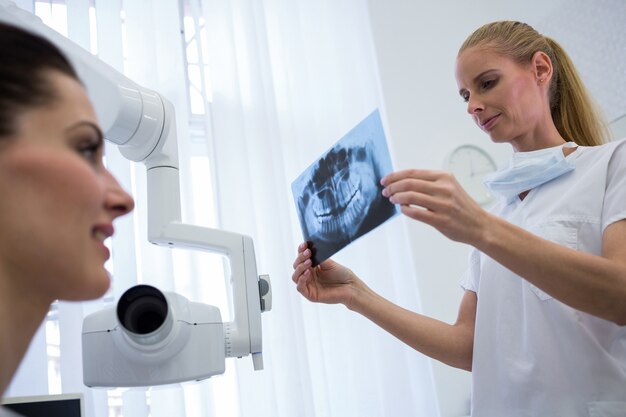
[142, 124]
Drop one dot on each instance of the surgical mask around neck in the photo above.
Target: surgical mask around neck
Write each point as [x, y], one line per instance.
[527, 170]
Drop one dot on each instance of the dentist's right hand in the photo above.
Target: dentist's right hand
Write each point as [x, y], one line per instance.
[328, 282]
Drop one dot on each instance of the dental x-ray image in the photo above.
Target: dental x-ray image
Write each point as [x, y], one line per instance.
[338, 197]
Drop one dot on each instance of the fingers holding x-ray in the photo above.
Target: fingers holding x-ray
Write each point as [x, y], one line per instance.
[339, 197]
[436, 198]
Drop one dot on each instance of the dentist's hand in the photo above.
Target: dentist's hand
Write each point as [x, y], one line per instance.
[328, 282]
[437, 199]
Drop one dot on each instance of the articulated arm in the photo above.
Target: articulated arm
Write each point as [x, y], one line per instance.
[142, 124]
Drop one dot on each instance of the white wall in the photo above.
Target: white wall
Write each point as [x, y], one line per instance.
[416, 45]
[618, 127]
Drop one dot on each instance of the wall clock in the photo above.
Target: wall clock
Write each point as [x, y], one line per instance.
[469, 164]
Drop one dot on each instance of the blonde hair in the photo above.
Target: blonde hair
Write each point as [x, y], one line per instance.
[575, 115]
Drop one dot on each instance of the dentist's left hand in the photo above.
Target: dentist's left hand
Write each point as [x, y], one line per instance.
[328, 282]
[437, 199]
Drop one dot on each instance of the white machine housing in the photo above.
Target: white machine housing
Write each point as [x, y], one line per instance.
[142, 124]
[152, 336]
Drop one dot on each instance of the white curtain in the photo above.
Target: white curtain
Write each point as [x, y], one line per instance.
[284, 80]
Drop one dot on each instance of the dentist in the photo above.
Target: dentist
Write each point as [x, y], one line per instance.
[542, 323]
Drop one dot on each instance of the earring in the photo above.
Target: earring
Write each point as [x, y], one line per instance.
[542, 80]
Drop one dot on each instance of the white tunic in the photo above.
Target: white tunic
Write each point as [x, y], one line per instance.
[533, 355]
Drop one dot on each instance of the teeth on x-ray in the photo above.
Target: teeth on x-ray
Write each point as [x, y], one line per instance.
[339, 193]
[339, 197]
[344, 218]
[336, 198]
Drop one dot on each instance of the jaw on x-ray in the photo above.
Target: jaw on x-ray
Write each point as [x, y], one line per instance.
[339, 197]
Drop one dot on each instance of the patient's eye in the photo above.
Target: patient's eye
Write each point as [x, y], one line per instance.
[88, 142]
[90, 150]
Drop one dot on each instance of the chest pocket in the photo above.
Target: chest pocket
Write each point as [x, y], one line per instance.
[558, 233]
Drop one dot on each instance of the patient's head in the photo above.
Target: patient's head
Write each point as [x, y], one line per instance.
[58, 199]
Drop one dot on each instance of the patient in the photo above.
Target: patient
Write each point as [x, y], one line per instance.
[58, 200]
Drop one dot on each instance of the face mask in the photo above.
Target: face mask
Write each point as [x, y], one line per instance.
[528, 170]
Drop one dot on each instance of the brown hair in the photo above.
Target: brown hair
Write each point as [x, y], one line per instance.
[573, 111]
[26, 58]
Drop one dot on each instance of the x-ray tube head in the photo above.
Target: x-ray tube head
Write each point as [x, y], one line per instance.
[143, 311]
[152, 338]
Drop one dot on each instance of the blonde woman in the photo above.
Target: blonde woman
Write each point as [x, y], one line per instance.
[542, 323]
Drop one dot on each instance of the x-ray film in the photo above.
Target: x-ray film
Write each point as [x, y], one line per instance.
[338, 197]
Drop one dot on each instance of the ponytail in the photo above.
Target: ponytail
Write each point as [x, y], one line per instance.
[574, 113]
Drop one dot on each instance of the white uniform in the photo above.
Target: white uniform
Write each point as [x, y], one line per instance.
[533, 355]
